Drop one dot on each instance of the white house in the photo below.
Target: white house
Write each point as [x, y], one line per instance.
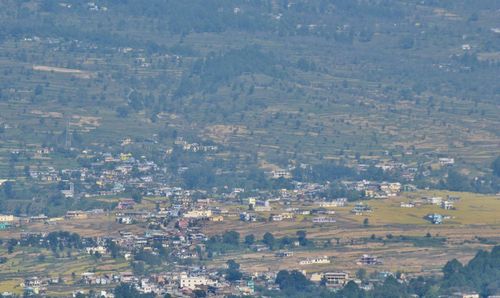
[198, 214]
[192, 282]
[319, 260]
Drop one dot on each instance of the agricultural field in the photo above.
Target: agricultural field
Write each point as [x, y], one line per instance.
[401, 237]
[68, 268]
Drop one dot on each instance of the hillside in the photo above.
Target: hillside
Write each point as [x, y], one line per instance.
[270, 81]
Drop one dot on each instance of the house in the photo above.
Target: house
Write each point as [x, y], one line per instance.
[368, 260]
[76, 214]
[323, 219]
[192, 282]
[435, 218]
[198, 214]
[216, 218]
[38, 218]
[69, 193]
[97, 249]
[361, 208]
[326, 204]
[276, 217]
[126, 204]
[336, 278]
[465, 295]
[434, 200]
[391, 189]
[335, 203]
[6, 218]
[32, 282]
[447, 205]
[281, 174]
[284, 254]
[319, 260]
[249, 201]
[445, 161]
[127, 277]
[126, 220]
[303, 212]
[407, 205]
[244, 216]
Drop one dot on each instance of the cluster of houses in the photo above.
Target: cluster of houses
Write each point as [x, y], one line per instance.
[195, 147]
[375, 190]
[445, 204]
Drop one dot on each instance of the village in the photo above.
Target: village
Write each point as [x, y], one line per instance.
[183, 229]
[164, 237]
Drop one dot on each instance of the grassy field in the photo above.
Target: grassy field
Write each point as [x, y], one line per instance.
[471, 209]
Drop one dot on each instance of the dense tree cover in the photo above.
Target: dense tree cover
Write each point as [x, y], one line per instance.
[457, 182]
[198, 16]
[57, 242]
[31, 198]
[481, 274]
[230, 240]
[292, 281]
[129, 291]
[215, 69]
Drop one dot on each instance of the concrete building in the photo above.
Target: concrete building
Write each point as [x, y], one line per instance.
[336, 278]
[198, 214]
[192, 282]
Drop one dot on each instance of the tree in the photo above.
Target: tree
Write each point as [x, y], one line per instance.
[113, 249]
[366, 222]
[457, 181]
[137, 196]
[302, 237]
[231, 238]
[138, 267]
[269, 240]
[351, 290]
[38, 90]
[249, 239]
[199, 293]
[496, 166]
[452, 267]
[8, 189]
[129, 291]
[390, 289]
[233, 273]
[361, 273]
[10, 245]
[122, 112]
[294, 281]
